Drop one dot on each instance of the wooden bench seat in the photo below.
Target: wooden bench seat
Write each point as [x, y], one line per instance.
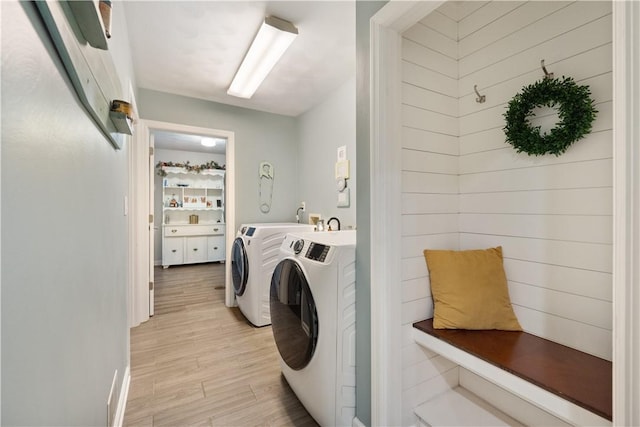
[577, 377]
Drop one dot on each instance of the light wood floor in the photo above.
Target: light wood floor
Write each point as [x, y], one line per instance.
[197, 362]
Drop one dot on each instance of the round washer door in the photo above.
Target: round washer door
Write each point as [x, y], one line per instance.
[239, 266]
[294, 318]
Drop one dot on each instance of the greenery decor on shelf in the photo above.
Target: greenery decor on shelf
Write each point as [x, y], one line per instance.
[576, 114]
[189, 167]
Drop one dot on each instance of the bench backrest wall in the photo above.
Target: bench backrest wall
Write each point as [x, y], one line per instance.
[464, 187]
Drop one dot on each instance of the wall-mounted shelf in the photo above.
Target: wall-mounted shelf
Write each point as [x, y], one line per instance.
[122, 122]
[88, 17]
[91, 71]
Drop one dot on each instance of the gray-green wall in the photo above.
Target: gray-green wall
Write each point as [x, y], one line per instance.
[364, 11]
[64, 236]
[258, 137]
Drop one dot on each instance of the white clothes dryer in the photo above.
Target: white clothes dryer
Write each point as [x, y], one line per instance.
[254, 255]
[313, 315]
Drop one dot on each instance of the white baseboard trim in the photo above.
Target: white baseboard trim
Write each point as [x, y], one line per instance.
[122, 400]
[357, 423]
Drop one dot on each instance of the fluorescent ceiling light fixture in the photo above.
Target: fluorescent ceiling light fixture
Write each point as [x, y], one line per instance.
[273, 39]
[209, 142]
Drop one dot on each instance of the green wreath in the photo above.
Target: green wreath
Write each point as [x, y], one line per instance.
[575, 111]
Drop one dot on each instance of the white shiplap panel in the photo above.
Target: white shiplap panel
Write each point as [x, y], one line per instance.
[508, 24]
[580, 201]
[412, 354]
[597, 145]
[468, 8]
[485, 140]
[428, 59]
[583, 337]
[428, 79]
[457, 10]
[597, 77]
[575, 228]
[415, 225]
[482, 120]
[416, 310]
[582, 309]
[565, 19]
[428, 120]
[588, 283]
[429, 100]
[588, 256]
[414, 396]
[427, 37]
[424, 140]
[415, 289]
[583, 39]
[425, 161]
[414, 268]
[429, 203]
[414, 246]
[426, 370]
[485, 16]
[594, 173]
[442, 24]
[418, 182]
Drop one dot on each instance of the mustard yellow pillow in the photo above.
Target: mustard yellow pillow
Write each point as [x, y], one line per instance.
[469, 290]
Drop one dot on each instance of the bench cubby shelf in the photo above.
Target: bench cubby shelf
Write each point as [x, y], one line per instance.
[187, 195]
[569, 384]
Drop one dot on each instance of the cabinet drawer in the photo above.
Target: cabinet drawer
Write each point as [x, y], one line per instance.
[193, 230]
[196, 248]
[215, 248]
[173, 251]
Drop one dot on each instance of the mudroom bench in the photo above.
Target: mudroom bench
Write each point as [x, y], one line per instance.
[567, 383]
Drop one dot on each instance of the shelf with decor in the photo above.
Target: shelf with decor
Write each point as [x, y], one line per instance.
[193, 215]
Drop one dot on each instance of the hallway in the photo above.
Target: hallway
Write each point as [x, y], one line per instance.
[197, 362]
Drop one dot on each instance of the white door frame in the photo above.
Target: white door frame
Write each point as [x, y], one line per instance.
[386, 28]
[229, 186]
[626, 213]
[138, 211]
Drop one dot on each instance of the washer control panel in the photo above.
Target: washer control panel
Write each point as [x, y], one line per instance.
[297, 246]
[317, 252]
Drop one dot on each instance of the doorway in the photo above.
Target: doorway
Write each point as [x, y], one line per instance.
[144, 212]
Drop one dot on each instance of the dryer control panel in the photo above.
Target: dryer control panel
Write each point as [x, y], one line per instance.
[317, 252]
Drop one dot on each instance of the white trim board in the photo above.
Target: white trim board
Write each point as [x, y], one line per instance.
[386, 27]
[230, 211]
[626, 249]
[122, 400]
[386, 371]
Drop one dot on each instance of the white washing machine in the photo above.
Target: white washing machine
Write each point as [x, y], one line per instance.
[313, 318]
[254, 255]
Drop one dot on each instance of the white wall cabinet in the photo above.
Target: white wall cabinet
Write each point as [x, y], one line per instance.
[193, 219]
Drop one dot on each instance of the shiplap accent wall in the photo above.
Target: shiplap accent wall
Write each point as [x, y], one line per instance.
[464, 187]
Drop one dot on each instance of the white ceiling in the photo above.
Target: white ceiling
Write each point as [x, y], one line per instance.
[193, 48]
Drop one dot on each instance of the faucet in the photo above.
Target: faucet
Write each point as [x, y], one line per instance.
[298, 214]
[331, 219]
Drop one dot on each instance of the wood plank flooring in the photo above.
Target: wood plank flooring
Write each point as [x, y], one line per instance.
[199, 363]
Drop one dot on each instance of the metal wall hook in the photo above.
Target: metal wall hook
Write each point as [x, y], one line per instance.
[547, 75]
[481, 98]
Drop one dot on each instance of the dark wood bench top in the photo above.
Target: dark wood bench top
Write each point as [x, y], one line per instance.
[578, 377]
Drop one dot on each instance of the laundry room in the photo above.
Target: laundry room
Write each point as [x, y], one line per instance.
[145, 284]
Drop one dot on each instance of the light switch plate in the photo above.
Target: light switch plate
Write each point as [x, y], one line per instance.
[343, 198]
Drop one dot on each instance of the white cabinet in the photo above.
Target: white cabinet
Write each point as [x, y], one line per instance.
[215, 248]
[196, 249]
[192, 216]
